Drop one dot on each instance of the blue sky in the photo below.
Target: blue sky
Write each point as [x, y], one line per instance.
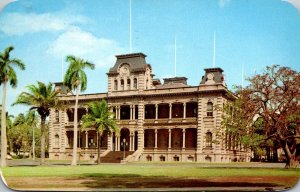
[252, 33]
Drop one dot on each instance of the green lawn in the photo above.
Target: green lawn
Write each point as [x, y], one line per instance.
[143, 170]
[148, 175]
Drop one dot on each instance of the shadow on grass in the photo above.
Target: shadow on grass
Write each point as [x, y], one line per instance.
[137, 181]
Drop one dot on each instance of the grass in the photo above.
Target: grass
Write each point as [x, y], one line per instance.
[147, 175]
[144, 170]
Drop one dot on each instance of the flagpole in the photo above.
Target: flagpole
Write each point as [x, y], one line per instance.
[130, 31]
[214, 56]
[242, 75]
[175, 50]
[62, 68]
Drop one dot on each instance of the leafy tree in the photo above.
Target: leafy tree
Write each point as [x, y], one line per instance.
[41, 97]
[22, 135]
[99, 117]
[7, 74]
[76, 79]
[273, 99]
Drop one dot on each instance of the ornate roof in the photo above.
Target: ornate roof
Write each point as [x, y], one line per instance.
[136, 62]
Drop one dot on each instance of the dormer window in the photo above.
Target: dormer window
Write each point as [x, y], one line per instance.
[135, 83]
[116, 85]
[128, 84]
[122, 84]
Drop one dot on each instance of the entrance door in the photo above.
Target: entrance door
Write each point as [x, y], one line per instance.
[124, 139]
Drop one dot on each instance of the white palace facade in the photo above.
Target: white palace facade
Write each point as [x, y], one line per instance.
[169, 121]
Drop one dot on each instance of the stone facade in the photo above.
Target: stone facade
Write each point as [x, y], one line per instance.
[172, 121]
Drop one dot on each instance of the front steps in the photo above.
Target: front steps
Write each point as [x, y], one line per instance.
[115, 156]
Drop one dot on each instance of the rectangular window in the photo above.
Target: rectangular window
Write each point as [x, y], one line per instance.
[56, 116]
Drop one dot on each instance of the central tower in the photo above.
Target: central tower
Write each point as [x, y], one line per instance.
[130, 72]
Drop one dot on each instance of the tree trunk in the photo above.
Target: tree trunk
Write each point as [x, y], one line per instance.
[291, 161]
[99, 149]
[33, 145]
[3, 128]
[43, 124]
[74, 155]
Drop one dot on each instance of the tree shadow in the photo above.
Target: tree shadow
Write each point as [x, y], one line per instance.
[137, 181]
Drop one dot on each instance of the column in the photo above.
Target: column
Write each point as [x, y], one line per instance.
[170, 111]
[130, 141]
[156, 111]
[133, 141]
[109, 142]
[184, 110]
[118, 143]
[183, 139]
[170, 134]
[119, 112]
[86, 139]
[133, 111]
[155, 140]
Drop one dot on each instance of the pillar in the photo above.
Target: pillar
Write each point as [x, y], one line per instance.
[131, 112]
[133, 141]
[117, 143]
[130, 141]
[155, 140]
[86, 139]
[156, 111]
[119, 112]
[170, 111]
[184, 110]
[170, 134]
[183, 139]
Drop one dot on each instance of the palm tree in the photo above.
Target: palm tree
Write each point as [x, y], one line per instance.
[41, 97]
[99, 117]
[75, 79]
[7, 74]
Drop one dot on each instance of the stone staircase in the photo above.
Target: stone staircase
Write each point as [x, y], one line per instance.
[115, 156]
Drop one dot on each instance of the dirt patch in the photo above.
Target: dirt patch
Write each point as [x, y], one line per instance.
[149, 182]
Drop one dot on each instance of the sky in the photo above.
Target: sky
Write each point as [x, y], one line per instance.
[249, 35]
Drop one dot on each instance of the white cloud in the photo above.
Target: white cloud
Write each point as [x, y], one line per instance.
[295, 3]
[223, 3]
[21, 23]
[100, 51]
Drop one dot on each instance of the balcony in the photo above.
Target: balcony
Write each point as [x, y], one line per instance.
[173, 120]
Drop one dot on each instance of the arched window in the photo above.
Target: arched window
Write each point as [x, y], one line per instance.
[56, 140]
[135, 83]
[128, 84]
[116, 85]
[122, 84]
[147, 82]
[208, 139]
[209, 109]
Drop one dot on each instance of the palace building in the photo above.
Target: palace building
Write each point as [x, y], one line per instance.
[158, 121]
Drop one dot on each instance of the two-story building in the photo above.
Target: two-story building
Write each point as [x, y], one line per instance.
[169, 121]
